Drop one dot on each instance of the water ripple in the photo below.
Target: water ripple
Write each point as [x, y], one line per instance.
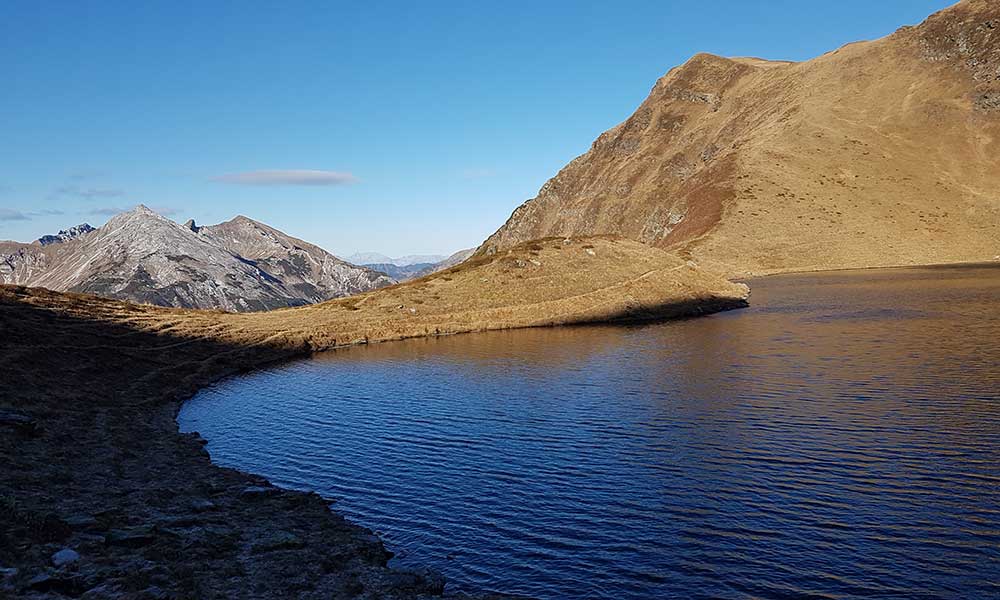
[840, 439]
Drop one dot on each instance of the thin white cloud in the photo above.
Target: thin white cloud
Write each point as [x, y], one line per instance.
[89, 193]
[287, 177]
[9, 214]
[85, 175]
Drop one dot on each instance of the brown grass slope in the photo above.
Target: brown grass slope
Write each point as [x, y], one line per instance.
[90, 457]
[879, 153]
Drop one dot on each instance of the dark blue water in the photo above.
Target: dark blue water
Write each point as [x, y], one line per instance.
[839, 439]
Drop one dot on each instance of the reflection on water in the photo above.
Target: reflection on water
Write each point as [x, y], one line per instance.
[838, 439]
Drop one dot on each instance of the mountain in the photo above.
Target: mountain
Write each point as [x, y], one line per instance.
[409, 267]
[401, 273]
[366, 258]
[455, 259]
[371, 258]
[65, 235]
[880, 153]
[240, 265]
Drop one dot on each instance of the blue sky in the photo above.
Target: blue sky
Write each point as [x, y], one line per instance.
[428, 122]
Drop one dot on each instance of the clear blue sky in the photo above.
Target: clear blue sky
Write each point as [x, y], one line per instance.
[436, 119]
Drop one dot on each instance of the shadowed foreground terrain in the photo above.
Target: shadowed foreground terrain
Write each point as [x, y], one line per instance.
[90, 457]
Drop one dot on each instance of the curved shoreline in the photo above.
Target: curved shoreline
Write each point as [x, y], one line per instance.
[92, 459]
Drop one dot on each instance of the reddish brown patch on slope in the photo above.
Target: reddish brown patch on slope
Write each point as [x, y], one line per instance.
[705, 201]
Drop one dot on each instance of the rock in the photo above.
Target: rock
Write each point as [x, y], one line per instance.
[281, 540]
[40, 582]
[19, 421]
[81, 522]
[46, 582]
[104, 591]
[7, 573]
[66, 556]
[131, 537]
[202, 504]
[254, 492]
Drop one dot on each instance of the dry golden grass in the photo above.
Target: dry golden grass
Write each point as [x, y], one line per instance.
[546, 282]
[879, 153]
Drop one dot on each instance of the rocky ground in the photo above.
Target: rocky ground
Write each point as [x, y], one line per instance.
[101, 497]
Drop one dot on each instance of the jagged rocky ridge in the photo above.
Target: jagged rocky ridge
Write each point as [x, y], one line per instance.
[239, 265]
[880, 153]
[65, 235]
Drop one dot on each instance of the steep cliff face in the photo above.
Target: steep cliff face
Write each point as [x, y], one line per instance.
[879, 153]
[141, 256]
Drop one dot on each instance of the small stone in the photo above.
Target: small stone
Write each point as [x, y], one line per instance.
[130, 537]
[66, 556]
[41, 582]
[18, 421]
[257, 491]
[45, 582]
[202, 504]
[81, 522]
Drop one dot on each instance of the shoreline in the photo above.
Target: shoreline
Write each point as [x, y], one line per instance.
[166, 550]
[98, 475]
[944, 265]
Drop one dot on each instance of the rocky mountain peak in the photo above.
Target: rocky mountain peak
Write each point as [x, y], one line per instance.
[142, 256]
[65, 235]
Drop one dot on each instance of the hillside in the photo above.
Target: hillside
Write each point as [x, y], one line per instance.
[138, 255]
[879, 153]
[91, 457]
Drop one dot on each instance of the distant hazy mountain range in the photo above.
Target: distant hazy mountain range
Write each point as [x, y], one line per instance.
[408, 267]
[368, 258]
[239, 265]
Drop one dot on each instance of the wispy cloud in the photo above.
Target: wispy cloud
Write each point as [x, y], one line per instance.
[88, 193]
[9, 214]
[287, 177]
